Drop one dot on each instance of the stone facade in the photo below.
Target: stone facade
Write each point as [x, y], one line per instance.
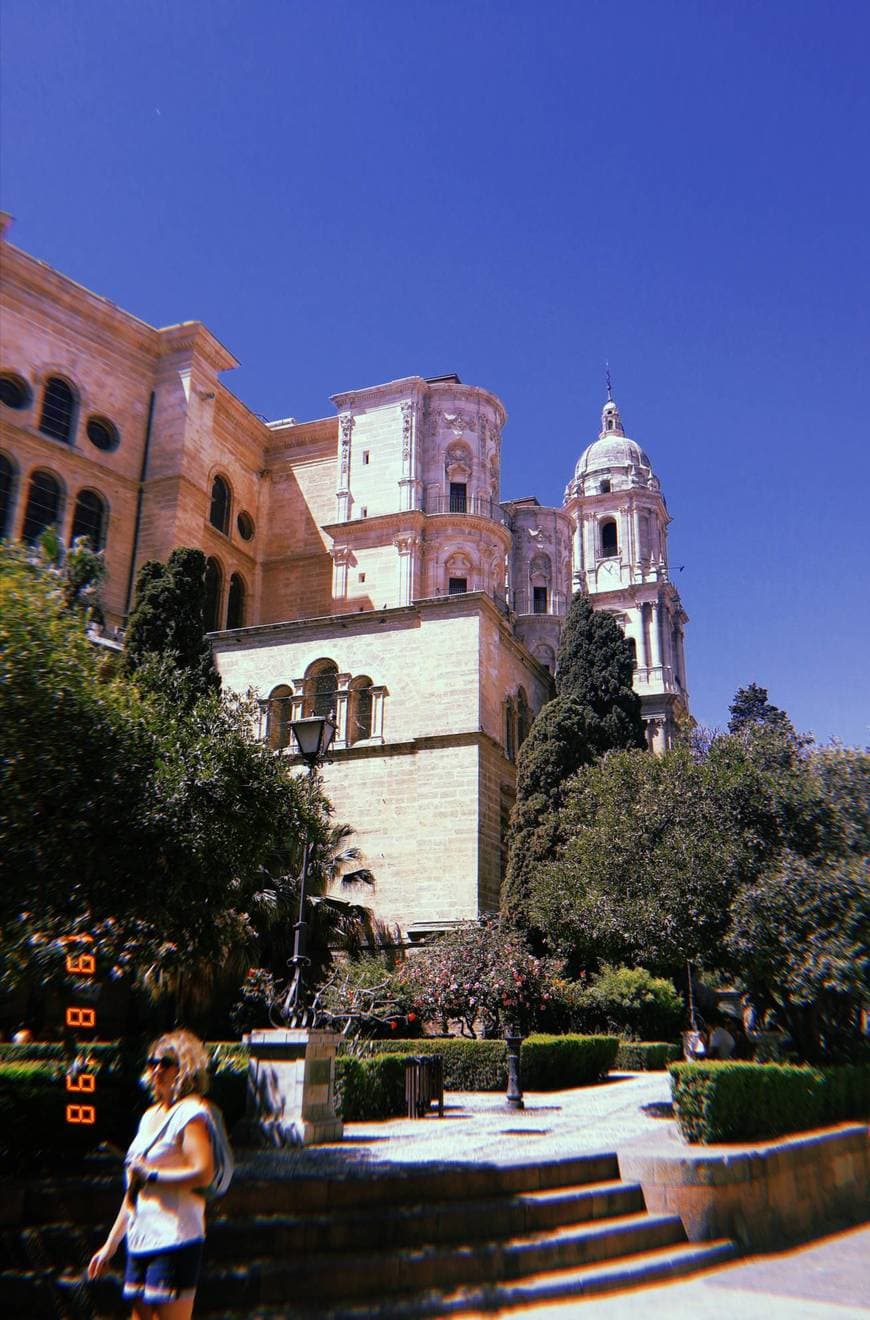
[362, 563]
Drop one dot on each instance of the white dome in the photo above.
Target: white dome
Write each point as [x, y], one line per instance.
[612, 451]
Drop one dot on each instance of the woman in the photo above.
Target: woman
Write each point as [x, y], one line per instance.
[163, 1213]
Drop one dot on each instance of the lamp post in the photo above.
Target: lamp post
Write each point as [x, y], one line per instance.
[314, 736]
[514, 1039]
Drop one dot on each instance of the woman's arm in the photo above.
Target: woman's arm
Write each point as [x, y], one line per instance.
[100, 1259]
[195, 1167]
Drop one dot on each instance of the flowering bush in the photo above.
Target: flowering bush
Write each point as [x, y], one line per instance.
[480, 975]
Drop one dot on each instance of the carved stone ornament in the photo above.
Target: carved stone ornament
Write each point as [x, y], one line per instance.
[408, 411]
[346, 424]
[342, 554]
[459, 422]
[458, 453]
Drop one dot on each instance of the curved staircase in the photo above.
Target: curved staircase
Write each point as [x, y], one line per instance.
[366, 1240]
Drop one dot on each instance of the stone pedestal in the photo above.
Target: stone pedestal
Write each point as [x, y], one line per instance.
[291, 1088]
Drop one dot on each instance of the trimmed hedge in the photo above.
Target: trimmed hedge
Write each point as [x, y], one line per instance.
[556, 1063]
[370, 1088]
[547, 1063]
[645, 1055]
[742, 1101]
[33, 1127]
[468, 1065]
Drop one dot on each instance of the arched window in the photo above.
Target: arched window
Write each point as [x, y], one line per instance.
[360, 715]
[14, 391]
[609, 539]
[58, 408]
[219, 514]
[278, 716]
[546, 656]
[7, 494]
[89, 518]
[43, 505]
[321, 685]
[510, 741]
[632, 646]
[236, 603]
[214, 580]
[524, 717]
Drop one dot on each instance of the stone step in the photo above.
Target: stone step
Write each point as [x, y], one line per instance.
[635, 1271]
[410, 1225]
[64, 1245]
[95, 1199]
[320, 1281]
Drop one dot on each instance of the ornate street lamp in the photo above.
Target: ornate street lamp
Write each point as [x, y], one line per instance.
[314, 736]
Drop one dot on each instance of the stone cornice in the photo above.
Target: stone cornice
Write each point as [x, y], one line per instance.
[196, 339]
[293, 443]
[37, 277]
[390, 391]
[375, 531]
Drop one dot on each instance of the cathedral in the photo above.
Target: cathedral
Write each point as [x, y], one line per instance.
[363, 564]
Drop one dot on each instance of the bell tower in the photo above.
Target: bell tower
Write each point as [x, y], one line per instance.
[620, 559]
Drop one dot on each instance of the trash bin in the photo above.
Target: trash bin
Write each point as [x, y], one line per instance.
[423, 1084]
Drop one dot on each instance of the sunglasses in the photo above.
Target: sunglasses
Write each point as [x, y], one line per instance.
[162, 1065]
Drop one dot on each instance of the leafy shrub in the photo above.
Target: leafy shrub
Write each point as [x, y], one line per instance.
[632, 1002]
[468, 1065]
[645, 1056]
[741, 1101]
[556, 1063]
[481, 975]
[370, 1088]
[845, 1092]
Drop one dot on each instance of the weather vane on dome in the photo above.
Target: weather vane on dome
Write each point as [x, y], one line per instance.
[609, 382]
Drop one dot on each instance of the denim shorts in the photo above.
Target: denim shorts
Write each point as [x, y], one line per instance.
[163, 1276]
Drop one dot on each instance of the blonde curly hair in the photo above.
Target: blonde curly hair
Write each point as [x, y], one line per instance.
[192, 1059]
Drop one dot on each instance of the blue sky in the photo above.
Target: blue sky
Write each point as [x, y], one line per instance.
[351, 192]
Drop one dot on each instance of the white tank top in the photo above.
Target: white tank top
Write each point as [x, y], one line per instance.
[165, 1216]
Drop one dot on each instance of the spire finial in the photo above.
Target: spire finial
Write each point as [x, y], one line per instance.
[609, 382]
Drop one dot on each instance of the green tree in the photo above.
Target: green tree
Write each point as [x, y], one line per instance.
[595, 711]
[649, 858]
[130, 809]
[751, 709]
[800, 933]
[168, 619]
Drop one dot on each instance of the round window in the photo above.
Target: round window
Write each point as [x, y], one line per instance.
[14, 391]
[102, 433]
[245, 524]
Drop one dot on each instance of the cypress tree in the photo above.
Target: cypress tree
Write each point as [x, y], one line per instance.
[751, 708]
[168, 619]
[596, 710]
[595, 666]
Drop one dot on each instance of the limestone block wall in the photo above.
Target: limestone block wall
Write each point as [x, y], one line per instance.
[429, 795]
[375, 461]
[427, 659]
[415, 812]
[496, 789]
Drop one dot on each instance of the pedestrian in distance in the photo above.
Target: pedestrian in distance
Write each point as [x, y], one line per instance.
[169, 1166]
